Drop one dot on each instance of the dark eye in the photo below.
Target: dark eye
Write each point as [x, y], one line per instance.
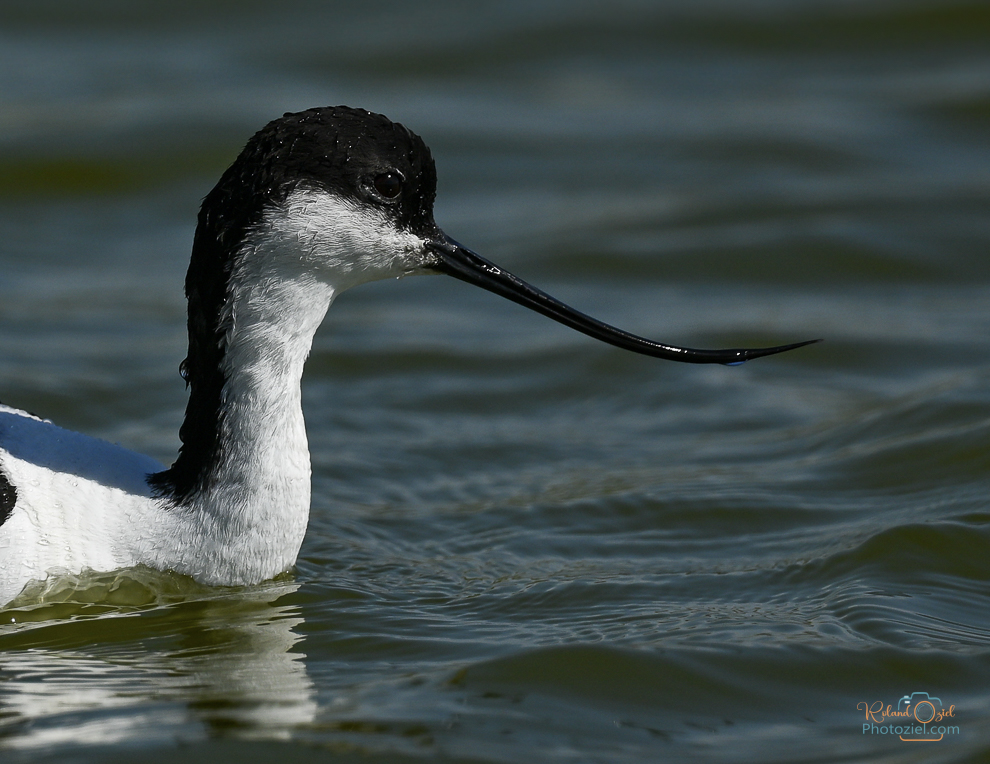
[388, 184]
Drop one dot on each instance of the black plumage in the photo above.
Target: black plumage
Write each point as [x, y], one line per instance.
[336, 149]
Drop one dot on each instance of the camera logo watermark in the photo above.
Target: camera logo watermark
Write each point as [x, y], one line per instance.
[918, 718]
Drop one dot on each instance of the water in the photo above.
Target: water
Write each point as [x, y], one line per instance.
[526, 546]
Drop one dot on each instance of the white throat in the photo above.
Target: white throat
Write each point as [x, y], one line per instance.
[251, 516]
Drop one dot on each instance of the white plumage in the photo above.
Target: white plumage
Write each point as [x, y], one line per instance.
[86, 504]
[318, 202]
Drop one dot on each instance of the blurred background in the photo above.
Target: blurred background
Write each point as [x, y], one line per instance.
[525, 545]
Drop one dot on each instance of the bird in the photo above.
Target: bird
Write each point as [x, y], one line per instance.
[317, 202]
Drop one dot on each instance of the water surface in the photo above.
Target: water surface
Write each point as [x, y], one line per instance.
[526, 546]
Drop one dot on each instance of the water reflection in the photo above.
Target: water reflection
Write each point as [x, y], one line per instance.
[184, 671]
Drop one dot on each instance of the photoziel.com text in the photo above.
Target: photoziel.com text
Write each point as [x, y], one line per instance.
[918, 718]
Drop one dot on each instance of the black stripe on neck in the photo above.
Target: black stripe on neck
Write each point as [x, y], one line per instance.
[335, 149]
[207, 290]
[229, 212]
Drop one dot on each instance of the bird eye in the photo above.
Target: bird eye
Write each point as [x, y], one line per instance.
[388, 184]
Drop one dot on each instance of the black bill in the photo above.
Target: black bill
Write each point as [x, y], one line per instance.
[461, 263]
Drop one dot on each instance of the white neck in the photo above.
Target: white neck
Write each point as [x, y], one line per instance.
[252, 513]
[248, 521]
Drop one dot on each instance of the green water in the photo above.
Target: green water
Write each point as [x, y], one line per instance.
[526, 546]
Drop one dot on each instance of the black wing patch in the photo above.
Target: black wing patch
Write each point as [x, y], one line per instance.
[8, 497]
